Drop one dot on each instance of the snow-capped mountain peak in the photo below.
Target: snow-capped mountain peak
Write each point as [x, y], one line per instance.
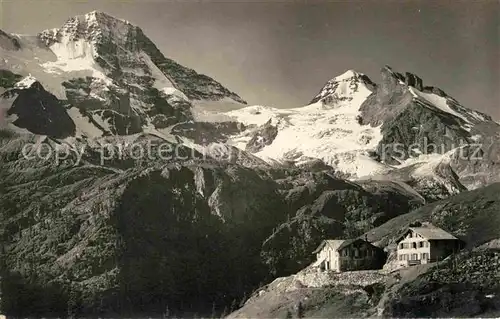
[347, 75]
[348, 86]
[327, 129]
[110, 75]
[91, 27]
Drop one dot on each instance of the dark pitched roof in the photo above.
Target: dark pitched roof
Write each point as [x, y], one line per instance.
[433, 233]
[430, 232]
[338, 244]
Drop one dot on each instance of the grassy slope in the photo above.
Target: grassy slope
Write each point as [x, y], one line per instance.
[472, 216]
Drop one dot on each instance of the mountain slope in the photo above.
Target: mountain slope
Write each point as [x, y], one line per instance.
[109, 74]
[85, 233]
[244, 194]
[326, 130]
[465, 284]
[419, 120]
[364, 129]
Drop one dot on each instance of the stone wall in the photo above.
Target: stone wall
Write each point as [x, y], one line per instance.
[327, 278]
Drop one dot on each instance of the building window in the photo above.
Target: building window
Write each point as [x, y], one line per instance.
[426, 244]
[421, 244]
[414, 245]
[425, 256]
[414, 256]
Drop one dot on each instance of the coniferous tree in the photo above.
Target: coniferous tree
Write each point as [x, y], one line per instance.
[300, 310]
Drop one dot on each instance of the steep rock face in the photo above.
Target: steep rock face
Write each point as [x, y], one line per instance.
[478, 164]
[413, 80]
[117, 44]
[418, 128]
[9, 79]
[418, 119]
[113, 77]
[409, 120]
[37, 110]
[261, 137]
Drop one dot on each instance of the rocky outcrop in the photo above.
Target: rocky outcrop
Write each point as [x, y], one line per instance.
[204, 133]
[413, 80]
[412, 125]
[39, 111]
[8, 79]
[261, 137]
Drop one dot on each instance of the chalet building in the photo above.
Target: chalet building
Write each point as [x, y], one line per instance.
[425, 244]
[348, 255]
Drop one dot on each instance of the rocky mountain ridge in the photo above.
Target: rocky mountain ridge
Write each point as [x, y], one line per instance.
[111, 78]
[365, 129]
[247, 194]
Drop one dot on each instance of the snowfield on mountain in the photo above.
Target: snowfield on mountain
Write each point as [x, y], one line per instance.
[89, 227]
[326, 131]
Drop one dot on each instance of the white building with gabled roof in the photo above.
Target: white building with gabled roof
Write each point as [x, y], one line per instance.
[425, 244]
[347, 255]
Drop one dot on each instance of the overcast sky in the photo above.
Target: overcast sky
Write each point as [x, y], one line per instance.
[280, 53]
